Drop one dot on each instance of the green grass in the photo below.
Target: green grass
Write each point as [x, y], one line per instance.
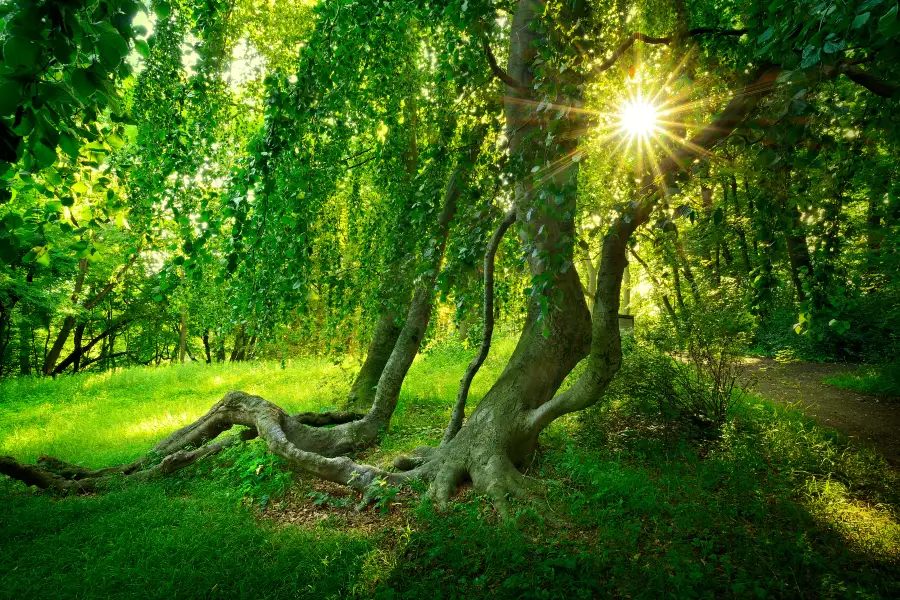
[775, 507]
[877, 380]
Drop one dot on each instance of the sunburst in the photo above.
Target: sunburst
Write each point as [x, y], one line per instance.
[639, 118]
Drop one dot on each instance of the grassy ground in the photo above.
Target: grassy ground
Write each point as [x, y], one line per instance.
[643, 508]
[877, 380]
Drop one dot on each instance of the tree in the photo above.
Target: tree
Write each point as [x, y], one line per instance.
[433, 164]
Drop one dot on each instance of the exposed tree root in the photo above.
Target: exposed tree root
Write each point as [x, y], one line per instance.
[287, 436]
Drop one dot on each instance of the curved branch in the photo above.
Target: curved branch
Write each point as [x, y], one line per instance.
[498, 72]
[629, 41]
[872, 83]
[323, 419]
[459, 409]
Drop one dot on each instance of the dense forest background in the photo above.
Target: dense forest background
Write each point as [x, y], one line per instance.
[197, 184]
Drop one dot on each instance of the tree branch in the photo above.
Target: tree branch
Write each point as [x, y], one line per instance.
[858, 76]
[109, 286]
[459, 409]
[629, 41]
[605, 357]
[497, 71]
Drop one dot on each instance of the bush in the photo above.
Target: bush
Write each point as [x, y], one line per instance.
[708, 381]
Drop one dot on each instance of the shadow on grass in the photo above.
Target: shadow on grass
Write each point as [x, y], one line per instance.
[776, 507]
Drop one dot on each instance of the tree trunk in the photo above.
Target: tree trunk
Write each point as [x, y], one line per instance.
[206, 347]
[742, 235]
[798, 253]
[76, 352]
[667, 304]
[236, 351]
[220, 348]
[68, 322]
[387, 331]
[182, 337]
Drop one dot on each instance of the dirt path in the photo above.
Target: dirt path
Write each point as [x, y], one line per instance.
[863, 418]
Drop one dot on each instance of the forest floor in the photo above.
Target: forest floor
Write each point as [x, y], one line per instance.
[775, 505]
[864, 418]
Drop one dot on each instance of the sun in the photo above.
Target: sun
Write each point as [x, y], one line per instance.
[638, 117]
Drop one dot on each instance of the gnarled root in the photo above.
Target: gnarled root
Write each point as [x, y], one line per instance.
[283, 433]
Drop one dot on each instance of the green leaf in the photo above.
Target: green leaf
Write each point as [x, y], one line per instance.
[43, 257]
[20, 53]
[69, 144]
[889, 25]
[111, 46]
[63, 50]
[861, 20]
[142, 48]
[834, 47]
[163, 9]
[44, 156]
[7, 251]
[10, 94]
[83, 85]
[766, 35]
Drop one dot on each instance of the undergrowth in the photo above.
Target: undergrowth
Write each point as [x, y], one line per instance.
[877, 380]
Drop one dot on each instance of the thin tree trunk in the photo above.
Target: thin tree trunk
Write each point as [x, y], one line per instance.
[658, 287]
[68, 322]
[182, 337]
[79, 335]
[798, 253]
[206, 347]
[238, 344]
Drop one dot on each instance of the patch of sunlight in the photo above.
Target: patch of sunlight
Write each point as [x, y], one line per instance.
[867, 528]
[158, 424]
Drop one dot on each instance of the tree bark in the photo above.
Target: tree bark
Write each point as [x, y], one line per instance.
[459, 409]
[387, 331]
[68, 322]
[798, 253]
[77, 351]
[237, 350]
[182, 337]
[206, 347]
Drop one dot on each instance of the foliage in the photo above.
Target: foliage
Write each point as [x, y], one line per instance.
[878, 380]
[254, 473]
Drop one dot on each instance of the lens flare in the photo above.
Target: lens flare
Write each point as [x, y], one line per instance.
[638, 118]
